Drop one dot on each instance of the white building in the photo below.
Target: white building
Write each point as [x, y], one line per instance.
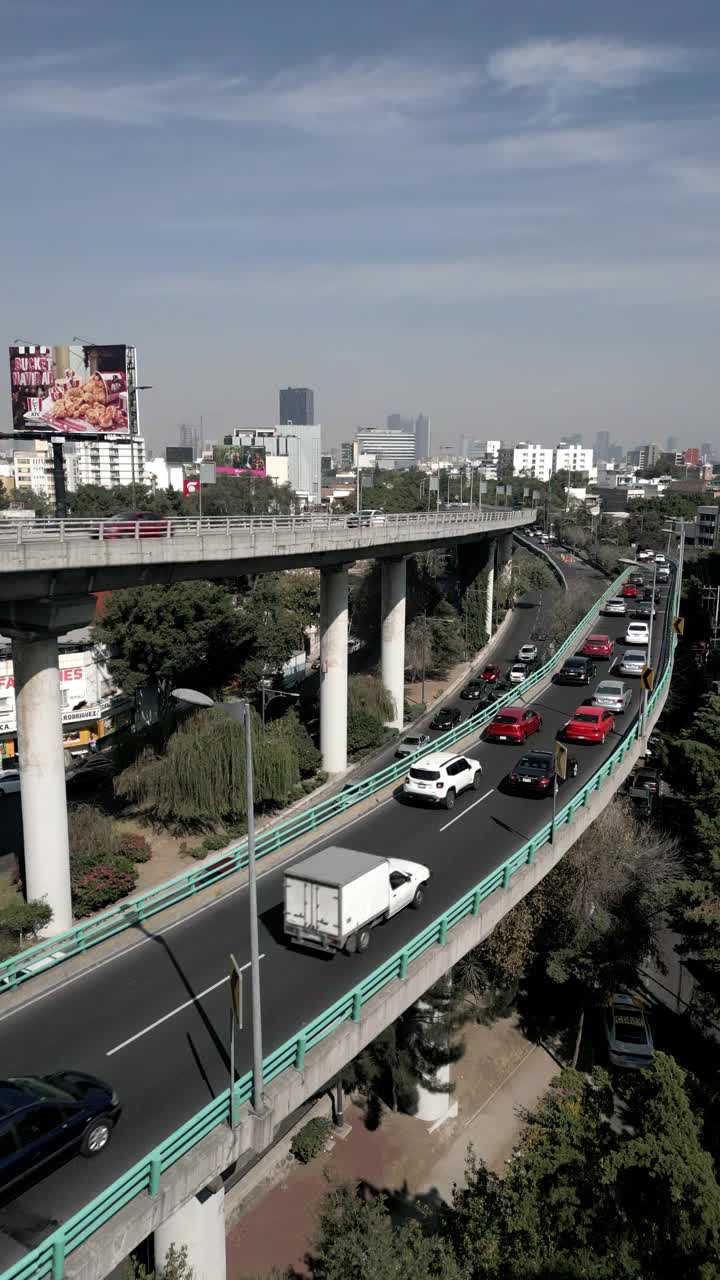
[292, 455]
[105, 462]
[532, 460]
[573, 457]
[391, 448]
[33, 469]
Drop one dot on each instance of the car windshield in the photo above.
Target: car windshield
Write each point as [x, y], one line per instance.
[635, 659]
[609, 691]
[507, 719]
[535, 760]
[424, 775]
[42, 1088]
[584, 718]
[629, 1026]
[574, 664]
[411, 742]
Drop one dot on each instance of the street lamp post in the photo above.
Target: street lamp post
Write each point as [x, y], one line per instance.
[240, 711]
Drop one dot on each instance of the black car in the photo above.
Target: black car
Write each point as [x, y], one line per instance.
[534, 773]
[477, 691]
[643, 611]
[446, 718]
[646, 780]
[647, 595]
[47, 1119]
[577, 670]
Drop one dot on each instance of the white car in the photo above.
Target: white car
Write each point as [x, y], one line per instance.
[629, 1041]
[663, 573]
[632, 662]
[644, 555]
[637, 633]
[441, 776]
[660, 560]
[517, 673]
[9, 782]
[527, 653]
[614, 695]
[614, 605]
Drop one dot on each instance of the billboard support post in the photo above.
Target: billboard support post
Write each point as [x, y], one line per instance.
[59, 479]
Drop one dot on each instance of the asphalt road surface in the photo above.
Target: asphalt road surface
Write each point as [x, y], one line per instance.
[154, 1021]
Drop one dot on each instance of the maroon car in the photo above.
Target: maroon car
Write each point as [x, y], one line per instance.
[131, 524]
[513, 724]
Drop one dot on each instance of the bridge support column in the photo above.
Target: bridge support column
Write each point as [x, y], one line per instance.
[333, 668]
[393, 635]
[200, 1226]
[34, 627]
[504, 557]
[490, 597]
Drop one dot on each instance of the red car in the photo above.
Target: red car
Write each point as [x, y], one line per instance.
[513, 724]
[598, 647]
[629, 591]
[491, 673]
[590, 724]
[131, 524]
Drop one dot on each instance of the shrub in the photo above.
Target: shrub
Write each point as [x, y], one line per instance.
[91, 833]
[311, 1139]
[292, 727]
[134, 847]
[18, 918]
[364, 731]
[213, 843]
[198, 852]
[413, 711]
[102, 885]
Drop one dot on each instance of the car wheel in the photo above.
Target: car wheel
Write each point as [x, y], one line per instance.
[450, 799]
[96, 1136]
[363, 941]
[418, 899]
[351, 944]
[475, 784]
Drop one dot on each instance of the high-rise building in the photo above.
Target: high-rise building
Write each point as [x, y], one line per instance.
[302, 449]
[422, 437]
[33, 469]
[390, 448]
[706, 451]
[692, 457]
[297, 407]
[346, 455]
[673, 444]
[399, 422]
[532, 460]
[645, 456]
[602, 446]
[573, 458]
[190, 438]
[117, 461]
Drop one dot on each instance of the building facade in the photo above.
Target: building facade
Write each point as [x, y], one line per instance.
[297, 407]
[532, 460]
[300, 445]
[572, 457]
[391, 448]
[346, 454]
[423, 449]
[33, 469]
[105, 462]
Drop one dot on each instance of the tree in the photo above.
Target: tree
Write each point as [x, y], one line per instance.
[370, 707]
[418, 648]
[97, 501]
[473, 607]
[188, 634]
[175, 1267]
[356, 1240]
[273, 624]
[447, 638]
[4, 499]
[242, 496]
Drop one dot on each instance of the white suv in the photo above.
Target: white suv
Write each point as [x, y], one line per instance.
[441, 777]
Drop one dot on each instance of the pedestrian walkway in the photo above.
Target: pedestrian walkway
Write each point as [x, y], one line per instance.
[500, 1075]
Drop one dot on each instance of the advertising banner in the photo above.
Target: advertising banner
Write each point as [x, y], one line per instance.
[239, 460]
[71, 389]
[73, 690]
[191, 484]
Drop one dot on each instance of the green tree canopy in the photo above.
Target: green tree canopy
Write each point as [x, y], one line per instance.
[97, 501]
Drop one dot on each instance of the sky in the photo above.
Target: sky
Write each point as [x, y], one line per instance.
[503, 215]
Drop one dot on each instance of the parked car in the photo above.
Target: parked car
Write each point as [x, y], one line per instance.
[491, 673]
[411, 743]
[629, 591]
[446, 718]
[9, 782]
[47, 1119]
[589, 724]
[518, 672]
[441, 776]
[614, 606]
[535, 771]
[598, 646]
[131, 524]
[637, 633]
[577, 670]
[646, 780]
[513, 724]
[527, 653]
[476, 691]
[627, 1032]
[632, 663]
[613, 695]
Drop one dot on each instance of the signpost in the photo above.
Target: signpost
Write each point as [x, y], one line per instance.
[236, 1020]
[679, 626]
[647, 678]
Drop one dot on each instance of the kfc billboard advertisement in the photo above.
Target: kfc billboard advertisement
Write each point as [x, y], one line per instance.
[239, 460]
[72, 389]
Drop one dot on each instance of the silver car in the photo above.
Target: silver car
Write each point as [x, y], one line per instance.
[614, 605]
[408, 745]
[632, 663]
[614, 695]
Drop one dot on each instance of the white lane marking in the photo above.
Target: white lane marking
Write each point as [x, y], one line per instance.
[195, 999]
[466, 811]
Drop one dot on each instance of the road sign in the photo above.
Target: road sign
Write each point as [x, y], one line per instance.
[679, 626]
[236, 1002]
[560, 760]
[647, 678]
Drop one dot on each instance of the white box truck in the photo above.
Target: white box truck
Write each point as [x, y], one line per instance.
[335, 897]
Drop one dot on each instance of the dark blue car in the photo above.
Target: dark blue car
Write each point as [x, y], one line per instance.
[46, 1119]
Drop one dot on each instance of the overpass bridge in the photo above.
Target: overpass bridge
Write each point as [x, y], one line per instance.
[49, 570]
[154, 1019]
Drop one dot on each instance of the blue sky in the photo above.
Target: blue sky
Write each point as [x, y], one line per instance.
[504, 215]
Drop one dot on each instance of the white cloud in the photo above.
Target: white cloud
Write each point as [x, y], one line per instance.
[693, 177]
[569, 67]
[328, 97]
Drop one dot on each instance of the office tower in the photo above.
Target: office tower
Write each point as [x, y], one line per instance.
[422, 437]
[190, 438]
[297, 407]
[673, 444]
[346, 454]
[389, 448]
[706, 451]
[399, 422]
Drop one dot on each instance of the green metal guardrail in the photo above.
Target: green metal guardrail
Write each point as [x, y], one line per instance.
[134, 911]
[48, 1259]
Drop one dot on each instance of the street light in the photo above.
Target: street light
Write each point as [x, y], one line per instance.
[239, 711]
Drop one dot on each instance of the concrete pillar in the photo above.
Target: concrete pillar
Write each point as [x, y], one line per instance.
[200, 1226]
[504, 556]
[42, 776]
[333, 668]
[393, 635]
[436, 1108]
[490, 589]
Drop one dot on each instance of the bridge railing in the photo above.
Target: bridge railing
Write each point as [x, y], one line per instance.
[48, 1259]
[134, 911]
[112, 528]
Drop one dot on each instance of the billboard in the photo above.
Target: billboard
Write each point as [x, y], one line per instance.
[239, 460]
[72, 389]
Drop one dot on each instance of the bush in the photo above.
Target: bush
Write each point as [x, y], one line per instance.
[364, 731]
[311, 1139]
[102, 885]
[134, 847]
[291, 727]
[213, 843]
[413, 711]
[91, 833]
[198, 852]
[19, 919]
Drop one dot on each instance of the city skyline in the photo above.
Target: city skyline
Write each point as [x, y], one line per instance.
[505, 219]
